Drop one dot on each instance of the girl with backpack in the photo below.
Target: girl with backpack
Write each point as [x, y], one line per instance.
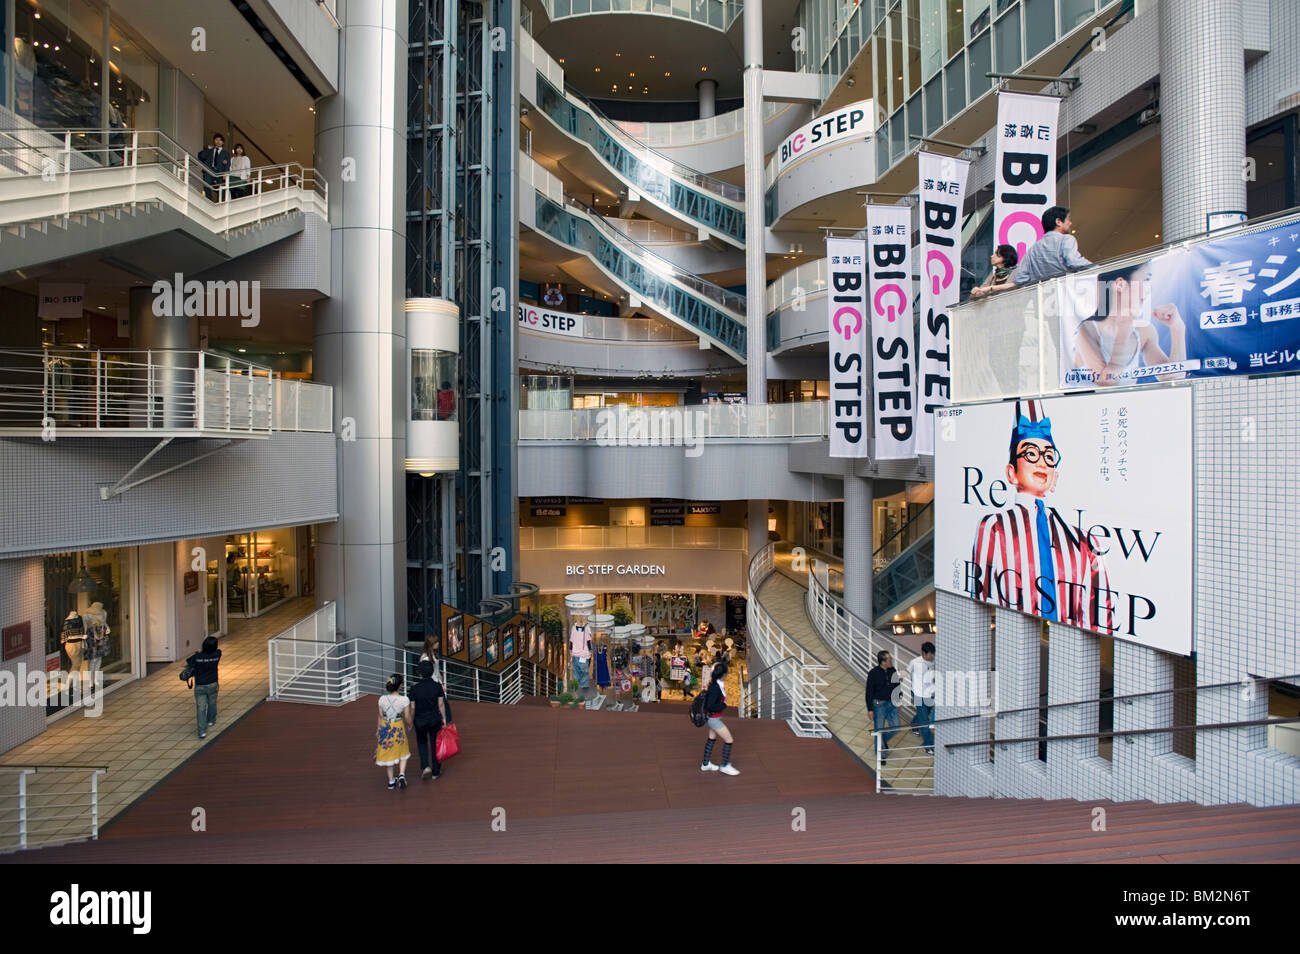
[715, 703]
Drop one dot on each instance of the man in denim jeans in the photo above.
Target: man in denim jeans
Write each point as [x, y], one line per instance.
[204, 663]
[921, 671]
[880, 699]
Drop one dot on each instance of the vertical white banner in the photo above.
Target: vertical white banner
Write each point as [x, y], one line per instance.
[847, 334]
[889, 270]
[1024, 182]
[943, 188]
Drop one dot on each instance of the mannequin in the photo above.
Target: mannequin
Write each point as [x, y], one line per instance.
[97, 645]
[580, 649]
[73, 638]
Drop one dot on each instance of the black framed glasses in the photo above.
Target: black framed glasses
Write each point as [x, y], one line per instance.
[1049, 455]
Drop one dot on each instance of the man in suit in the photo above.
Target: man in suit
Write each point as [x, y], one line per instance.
[430, 715]
[217, 159]
[1029, 558]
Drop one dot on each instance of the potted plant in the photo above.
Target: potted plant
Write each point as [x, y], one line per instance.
[622, 615]
[552, 621]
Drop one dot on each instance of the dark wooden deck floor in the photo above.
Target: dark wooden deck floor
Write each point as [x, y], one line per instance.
[295, 783]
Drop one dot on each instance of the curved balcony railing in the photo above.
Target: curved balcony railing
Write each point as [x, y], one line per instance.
[691, 132]
[629, 426]
[718, 14]
[632, 538]
[799, 677]
[711, 203]
[678, 295]
[68, 171]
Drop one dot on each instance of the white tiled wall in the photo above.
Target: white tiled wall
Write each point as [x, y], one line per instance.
[22, 600]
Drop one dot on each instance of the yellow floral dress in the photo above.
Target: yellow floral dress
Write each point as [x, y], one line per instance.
[392, 747]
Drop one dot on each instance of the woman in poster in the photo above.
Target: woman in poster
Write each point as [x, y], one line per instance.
[1121, 338]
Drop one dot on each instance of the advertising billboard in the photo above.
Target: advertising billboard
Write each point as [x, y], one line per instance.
[1075, 509]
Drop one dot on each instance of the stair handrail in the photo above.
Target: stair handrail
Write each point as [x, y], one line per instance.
[729, 300]
[652, 157]
[927, 510]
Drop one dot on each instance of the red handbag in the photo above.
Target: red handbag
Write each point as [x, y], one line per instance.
[447, 743]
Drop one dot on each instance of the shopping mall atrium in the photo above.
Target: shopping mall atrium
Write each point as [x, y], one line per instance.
[581, 345]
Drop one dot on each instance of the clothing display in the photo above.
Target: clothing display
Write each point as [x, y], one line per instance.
[73, 639]
[602, 668]
[97, 644]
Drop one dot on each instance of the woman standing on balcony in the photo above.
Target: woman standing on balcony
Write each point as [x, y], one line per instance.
[394, 720]
[1004, 261]
[240, 165]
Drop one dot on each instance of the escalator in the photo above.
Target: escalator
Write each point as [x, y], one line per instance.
[653, 184]
[904, 567]
[670, 292]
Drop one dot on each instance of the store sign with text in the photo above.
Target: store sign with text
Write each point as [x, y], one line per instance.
[847, 335]
[1024, 183]
[893, 366]
[1075, 509]
[1223, 306]
[536, 318]
[942, 189]
[849, 122]
[61, 299]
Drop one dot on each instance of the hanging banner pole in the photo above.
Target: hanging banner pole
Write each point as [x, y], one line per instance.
[942, 190]
[889, 271]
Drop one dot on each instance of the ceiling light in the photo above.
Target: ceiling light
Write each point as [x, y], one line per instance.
[704, 69]
[243, 350]
[652, 56]
[668, 74]
[618, 54]
[37, 14]
[631, 74]
[597, 69]
[561, 61]
[117, 49]
[104, 308]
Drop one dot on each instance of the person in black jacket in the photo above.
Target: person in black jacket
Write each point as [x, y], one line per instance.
[204, 663]
[217, 159]
[880, 698]
[715, 702]
[430, 716]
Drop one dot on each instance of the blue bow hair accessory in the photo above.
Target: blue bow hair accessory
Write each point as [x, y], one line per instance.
[1031, 430]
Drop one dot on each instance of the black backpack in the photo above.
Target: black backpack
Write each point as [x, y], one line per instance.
[698, 716]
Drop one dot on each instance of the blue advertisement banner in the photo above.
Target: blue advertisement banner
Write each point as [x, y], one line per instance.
[1227, 306]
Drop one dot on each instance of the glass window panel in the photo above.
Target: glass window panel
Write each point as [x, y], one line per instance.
[562, 8]
[896, 63]
[1004, 5]
[897, 137]
[600, 6]
[913, 39]
[914, 123]
[433, 385]
[954, 27]
[1006, 42]
[1074, 12]
[955, 80]
[978, 15]
[581, 6]
[931, 37]
[980, 55]
[882, 73]
[933, 105]
[1040, 26]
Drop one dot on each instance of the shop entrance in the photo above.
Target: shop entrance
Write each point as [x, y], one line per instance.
[262, 570]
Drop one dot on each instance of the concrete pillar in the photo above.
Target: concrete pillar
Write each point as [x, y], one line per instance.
[757, 524]
[755, 227]
[858, 539]
[173, 343]
[360, 331]
[708, 90]
[1202, 113]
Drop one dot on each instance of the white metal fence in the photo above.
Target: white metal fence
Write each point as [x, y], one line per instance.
[73, 390]
[47, 173]
[793, 686]
[676, 426]
[44, 805]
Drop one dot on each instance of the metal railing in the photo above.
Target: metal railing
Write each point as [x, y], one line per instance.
[633, 538]
[682, 424]
[44, 805]
[802, 679]
[46, 173]
[718, 14]
[73, 390]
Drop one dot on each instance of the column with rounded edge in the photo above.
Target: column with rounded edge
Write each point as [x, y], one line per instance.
[360, 331]
[1202, 114]
[708, 89]
[755, 224]
[857, 538]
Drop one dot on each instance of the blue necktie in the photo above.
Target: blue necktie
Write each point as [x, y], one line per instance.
[1046, 565]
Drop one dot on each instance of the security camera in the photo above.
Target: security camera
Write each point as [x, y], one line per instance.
[851, 82]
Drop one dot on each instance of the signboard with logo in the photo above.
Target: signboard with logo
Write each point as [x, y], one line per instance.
[667, 513]
[548, 506]
[1226, 306]
[535, 318]
[698, 509]
[553, 295]
[849, 122]
[17, 640]
[889, 270]
[61, 300]
[942, 189]
[1075, 509]
[847, 335]
[1024, 181]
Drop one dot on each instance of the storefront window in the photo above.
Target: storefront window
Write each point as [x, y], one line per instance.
[433, 382]
[261, 571]
[546, 392]
[58, 68]
[88, 618]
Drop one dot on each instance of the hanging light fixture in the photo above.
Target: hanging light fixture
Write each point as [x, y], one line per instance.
[84, 583]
